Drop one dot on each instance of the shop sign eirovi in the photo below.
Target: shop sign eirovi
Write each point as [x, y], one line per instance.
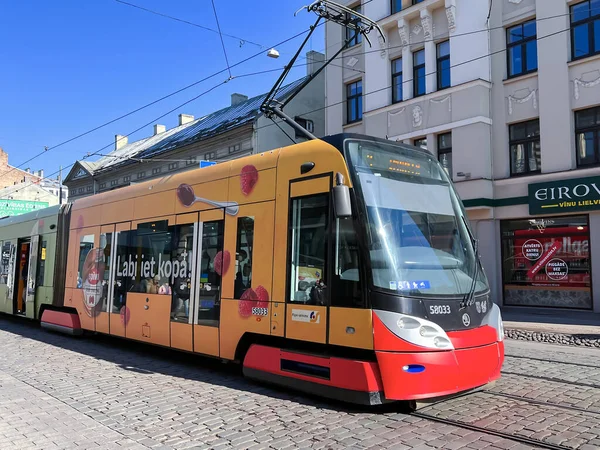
[579, 194]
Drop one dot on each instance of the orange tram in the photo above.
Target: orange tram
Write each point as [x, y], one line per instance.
[343, 266]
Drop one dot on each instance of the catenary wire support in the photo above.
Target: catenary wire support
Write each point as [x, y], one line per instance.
[333, 12]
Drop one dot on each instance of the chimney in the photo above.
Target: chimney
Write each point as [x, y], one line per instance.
[40, 173]
[185, 118]
[159, 129]
[120, 141]
[238, 98]
[315, 61]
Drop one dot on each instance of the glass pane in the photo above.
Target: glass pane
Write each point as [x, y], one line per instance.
[445, 141]
[515, 60]
[565, 282]
[181, 277]
[531, 63]
[351, 112]
[594, 8]
[421, 143]
[580, 11]
[420, 78]
[86, 244]
[596, 35]
[585, 148]
[419, 57]
[581, 43]
[534, 156]
[125, 270]
[213, 263]
[444, 75]
[517, 158]
[351, 89]
[360, 107]
[397, 66]
[446, 162]
[4, 262]
[518, 131]
[105, 248]
[396, 6]
[515, 34]
[397, 88]
[529, 29]
[309, 249]
[346, 290]
[533, 128]
[585, 118]
[443, 49]
[243, 263]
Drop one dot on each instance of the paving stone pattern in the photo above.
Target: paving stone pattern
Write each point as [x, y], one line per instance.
[60, 392]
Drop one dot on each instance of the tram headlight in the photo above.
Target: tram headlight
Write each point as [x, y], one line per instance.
[416, 330]
[407, 323]
[426, 331]
[441, 342]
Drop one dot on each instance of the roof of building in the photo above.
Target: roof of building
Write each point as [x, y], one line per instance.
[205, 127]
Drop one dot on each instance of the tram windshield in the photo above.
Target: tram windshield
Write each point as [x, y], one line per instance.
[417, 238]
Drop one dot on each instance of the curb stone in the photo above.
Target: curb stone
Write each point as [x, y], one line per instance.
[580, 340]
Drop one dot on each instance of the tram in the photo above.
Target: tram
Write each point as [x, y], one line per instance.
[343, 266]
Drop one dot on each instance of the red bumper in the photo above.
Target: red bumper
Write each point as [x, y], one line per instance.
[437, 373]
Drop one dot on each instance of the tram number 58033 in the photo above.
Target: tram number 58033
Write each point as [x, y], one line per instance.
[439, 309]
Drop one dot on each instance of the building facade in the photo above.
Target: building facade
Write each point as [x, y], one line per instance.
[232, 132]
[506, 94]
[23, 191]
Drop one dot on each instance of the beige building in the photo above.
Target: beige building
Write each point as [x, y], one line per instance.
[232, 132]
[506, 94]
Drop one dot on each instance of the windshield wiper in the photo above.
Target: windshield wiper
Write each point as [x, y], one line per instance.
[468, 298]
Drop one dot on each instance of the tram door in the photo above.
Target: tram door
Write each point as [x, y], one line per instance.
[307, 309]
[20, 292]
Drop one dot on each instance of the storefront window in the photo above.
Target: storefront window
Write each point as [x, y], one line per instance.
[546, 262]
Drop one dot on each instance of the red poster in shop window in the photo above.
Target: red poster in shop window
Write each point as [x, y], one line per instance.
[555, 247]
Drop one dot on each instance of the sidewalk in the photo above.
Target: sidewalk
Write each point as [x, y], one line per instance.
[567, 327]
[563, 321]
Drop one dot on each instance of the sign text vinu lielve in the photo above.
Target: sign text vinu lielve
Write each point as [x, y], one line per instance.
[579, 194]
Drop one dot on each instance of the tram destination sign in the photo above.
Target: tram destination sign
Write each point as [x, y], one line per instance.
[564, 196]
[9, 207]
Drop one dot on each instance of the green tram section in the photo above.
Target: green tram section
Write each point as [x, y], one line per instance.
[27, 276]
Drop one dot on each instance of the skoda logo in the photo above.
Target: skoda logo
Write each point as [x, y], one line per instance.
[466, 320]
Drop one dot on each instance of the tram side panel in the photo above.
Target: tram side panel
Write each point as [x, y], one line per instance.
[27, 266]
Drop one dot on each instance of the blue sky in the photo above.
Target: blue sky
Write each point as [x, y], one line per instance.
[68, 66]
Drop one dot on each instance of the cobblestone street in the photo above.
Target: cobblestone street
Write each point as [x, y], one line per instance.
[60, 392]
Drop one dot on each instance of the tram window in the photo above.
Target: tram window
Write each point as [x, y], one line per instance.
[41, 268]
[210, 279]
[243, 253]
[181, 271]
[86, 244]
[124, 278]
[309, 249]
[105, 247]
[4, 262]
[346, 289]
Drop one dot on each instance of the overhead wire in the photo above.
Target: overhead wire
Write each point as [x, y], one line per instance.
[221, 36]
[317, 109]
[190, 23]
